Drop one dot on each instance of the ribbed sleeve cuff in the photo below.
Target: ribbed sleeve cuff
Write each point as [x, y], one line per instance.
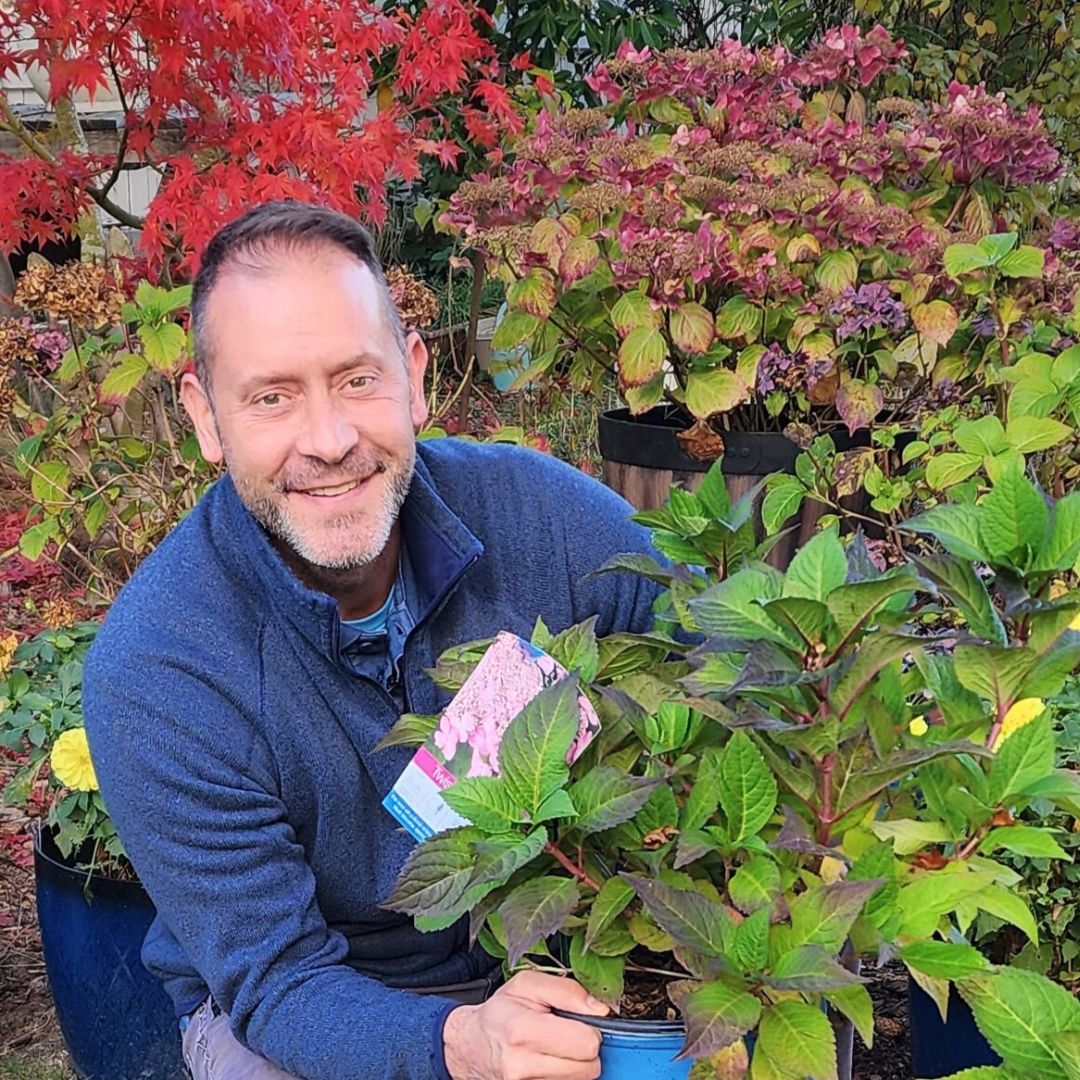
[438, 1049]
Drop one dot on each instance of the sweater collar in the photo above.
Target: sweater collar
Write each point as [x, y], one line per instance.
[440, 548]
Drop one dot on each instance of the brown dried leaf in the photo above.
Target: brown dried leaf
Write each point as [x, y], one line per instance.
[802, 435]
[659, 837]
[700, 441]
[823, 392]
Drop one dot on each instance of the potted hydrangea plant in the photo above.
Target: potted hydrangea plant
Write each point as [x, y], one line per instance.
[92, 911]
[1025, 414]
[751, 245]
[827, 776]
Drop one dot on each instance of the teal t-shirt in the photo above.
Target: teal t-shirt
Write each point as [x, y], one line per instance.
[373, 646]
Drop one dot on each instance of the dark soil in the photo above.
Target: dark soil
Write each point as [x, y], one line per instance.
[890, 1058]
[647, 999]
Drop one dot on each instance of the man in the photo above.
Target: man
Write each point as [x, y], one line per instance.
[236, 693]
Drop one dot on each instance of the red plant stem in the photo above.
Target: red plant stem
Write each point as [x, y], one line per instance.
[995, 727]
[969, 847]
[826, 817]
[568, 864]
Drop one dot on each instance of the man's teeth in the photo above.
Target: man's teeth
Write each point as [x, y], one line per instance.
[340, 489]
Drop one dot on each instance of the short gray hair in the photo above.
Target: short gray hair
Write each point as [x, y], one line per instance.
[252, 243]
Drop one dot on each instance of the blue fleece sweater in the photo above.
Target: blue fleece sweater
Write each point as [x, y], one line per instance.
[235, 749]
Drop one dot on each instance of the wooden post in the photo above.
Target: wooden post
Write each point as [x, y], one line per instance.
[479, 267]
[7, 289]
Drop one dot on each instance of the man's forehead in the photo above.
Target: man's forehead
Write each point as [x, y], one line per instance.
[275, 262]
[298, 294]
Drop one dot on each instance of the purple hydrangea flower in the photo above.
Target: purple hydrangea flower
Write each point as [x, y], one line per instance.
[983, 323]
[1064, 235]
[781, 370]
[772, 367]
[867, 307]
[51, 346]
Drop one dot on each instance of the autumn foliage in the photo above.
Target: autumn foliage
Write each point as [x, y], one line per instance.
[240, 102]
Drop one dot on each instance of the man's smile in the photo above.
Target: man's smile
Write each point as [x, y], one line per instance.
[337, 489]
[335, 496]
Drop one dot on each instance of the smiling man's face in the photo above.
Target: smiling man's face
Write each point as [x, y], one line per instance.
[315, 410]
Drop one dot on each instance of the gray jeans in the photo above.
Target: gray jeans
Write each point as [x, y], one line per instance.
[212, 1052]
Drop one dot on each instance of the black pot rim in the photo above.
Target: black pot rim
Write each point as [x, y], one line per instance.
[618, 1025]
[48, 857]
[649, 441]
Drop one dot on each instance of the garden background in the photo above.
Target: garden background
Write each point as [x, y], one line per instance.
[849, 227]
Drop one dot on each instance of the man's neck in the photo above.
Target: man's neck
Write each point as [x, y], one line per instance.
[358, 592]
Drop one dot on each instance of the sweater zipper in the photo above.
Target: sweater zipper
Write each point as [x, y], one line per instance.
[433, 610]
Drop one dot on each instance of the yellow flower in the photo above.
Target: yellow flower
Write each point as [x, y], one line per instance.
[70, 760]
[918, 726]
[1021, 714]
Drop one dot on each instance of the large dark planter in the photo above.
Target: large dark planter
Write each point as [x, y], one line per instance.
[941, 1049]
[642, 458]
[117, 1021]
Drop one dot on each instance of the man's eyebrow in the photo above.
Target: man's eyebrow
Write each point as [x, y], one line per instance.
[251, 385]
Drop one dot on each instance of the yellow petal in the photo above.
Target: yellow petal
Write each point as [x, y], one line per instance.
[71, 762]
[918, 726]
[1020, 715]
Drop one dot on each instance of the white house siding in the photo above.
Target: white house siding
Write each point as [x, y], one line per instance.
[135, 187]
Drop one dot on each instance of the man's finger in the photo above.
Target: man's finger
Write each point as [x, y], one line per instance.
[570, 1039]
[555, 992]
[545, 1067]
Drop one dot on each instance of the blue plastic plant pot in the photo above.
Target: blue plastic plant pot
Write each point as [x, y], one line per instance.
[941, 1049]
[638, 1049]
[117, 1021]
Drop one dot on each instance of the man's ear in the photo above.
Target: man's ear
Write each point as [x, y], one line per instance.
[197, 405]
[416, 358]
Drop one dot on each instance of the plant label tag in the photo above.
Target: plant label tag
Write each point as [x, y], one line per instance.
[466, 743]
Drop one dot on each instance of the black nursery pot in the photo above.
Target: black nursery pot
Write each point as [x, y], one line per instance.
[117, 1021]
[941, 1049]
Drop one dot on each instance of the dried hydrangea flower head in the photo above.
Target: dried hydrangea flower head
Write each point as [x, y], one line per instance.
[417, 305]
[16, 342]
[81, 293]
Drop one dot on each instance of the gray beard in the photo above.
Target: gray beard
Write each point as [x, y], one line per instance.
[269, 512]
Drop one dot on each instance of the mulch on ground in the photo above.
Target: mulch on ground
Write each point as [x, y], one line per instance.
[29, 1032]
[890, 1058]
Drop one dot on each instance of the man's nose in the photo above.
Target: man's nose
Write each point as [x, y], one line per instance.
[328, 433]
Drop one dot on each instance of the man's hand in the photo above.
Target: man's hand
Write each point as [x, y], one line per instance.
[513, 1035]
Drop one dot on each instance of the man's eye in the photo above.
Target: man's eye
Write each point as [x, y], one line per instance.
[358, 382]
[270, 400]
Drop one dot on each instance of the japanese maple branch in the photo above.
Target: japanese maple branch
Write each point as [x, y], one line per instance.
[14, 124]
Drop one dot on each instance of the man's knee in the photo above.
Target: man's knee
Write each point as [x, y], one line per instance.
[212, 1052]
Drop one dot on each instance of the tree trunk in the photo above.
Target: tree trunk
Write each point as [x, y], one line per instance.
[89, 225]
